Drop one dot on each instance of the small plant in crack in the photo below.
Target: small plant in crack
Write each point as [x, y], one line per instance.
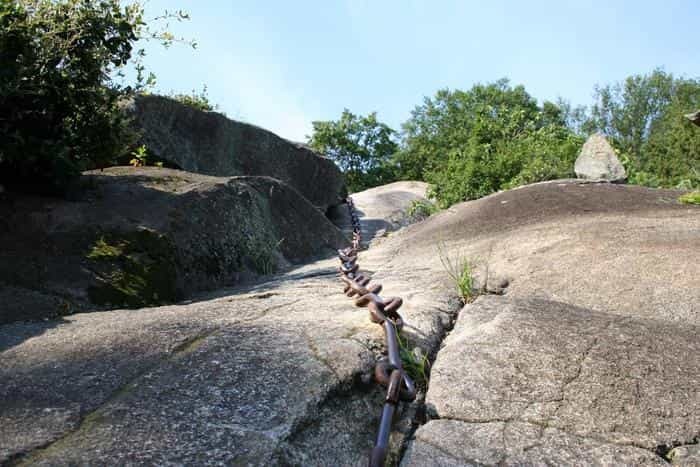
[419, 209]
[690, 198]
[414, 361]
[460, 271]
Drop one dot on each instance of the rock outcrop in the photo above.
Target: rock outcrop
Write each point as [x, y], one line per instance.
[522, 382]
[134, 237]
[384, 209]
[598, 161]
[587, 356]
[210, 143]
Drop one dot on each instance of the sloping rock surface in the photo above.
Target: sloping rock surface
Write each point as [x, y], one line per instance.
[587, 357]
[590, 355]
[384, 209]
[598, 161]
[273, 374]
[148, 236]
[212, 144]
[534, 381]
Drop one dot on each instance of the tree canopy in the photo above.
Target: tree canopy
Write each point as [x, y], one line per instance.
[60, 63]
[468, 144]
[495, 136]
[644, 117]
[361, 146]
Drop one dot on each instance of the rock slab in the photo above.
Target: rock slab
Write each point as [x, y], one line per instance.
[597, 161]
[536, 381]
[588, 357]
[209, 143]
[144, 236]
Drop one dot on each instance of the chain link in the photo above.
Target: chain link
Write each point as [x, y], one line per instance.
[389, 371]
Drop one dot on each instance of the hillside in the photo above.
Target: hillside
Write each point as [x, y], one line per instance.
[582, 349]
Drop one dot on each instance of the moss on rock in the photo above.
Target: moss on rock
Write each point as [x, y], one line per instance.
[690, 198]
[133, 269]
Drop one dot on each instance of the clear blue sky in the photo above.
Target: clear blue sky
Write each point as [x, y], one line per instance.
[283, 64]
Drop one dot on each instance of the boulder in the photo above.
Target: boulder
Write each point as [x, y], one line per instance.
[694, 117]
[140, 236]
[597, 161]
[522, 382]
[210, 143]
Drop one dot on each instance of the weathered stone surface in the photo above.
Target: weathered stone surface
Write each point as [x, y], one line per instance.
[384, 209]
[612, 248]
[212, 144]
[455, 443]
[694, 117]
[596, 333]
[272, 374]
[136, 233]
[561, 383]
[590, 354]
[597, 161]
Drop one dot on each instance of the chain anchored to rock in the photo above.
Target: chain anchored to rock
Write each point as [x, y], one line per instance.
[389, 371]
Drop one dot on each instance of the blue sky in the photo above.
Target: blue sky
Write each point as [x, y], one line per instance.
[283, 64]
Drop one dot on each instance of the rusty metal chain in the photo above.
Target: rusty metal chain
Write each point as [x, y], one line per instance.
[389, 371]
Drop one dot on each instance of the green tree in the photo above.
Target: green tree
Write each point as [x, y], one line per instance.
[361, 146]
[455, 120]
[644, 117]
[626, 111]
[468, 144]
[59, 96]
[672, 151]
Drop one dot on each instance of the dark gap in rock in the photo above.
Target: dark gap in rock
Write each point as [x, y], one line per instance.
[418, 409]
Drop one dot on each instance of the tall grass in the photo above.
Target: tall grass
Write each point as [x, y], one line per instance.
[460, 270]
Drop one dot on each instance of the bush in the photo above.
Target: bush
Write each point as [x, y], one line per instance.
[468, 144]
[59, 110]
[478, 170]
[196, 100]
[59, 95]
[420, 209]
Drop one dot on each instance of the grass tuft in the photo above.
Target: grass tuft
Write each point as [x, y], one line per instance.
[421, 209]
[414, 362]
[460, 271]
[690, 198]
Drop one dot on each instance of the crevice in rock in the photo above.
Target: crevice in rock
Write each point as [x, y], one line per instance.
[417, 410]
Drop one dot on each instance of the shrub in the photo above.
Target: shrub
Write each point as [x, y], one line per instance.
[421, 209]
[59, 95]
[58, 110]
[199, 100]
